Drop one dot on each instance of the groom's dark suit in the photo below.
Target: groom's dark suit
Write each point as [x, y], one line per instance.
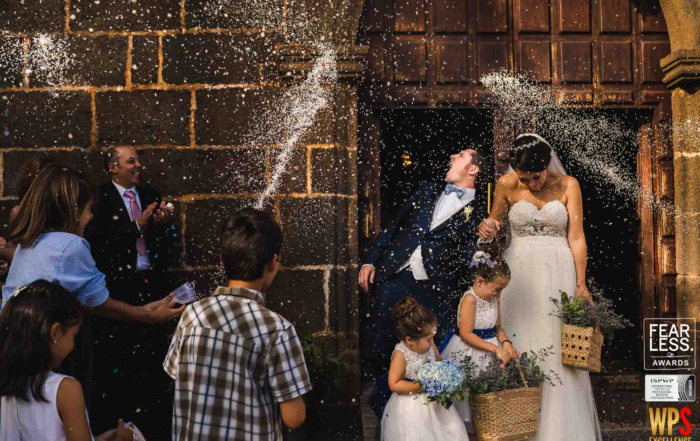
[446, 253]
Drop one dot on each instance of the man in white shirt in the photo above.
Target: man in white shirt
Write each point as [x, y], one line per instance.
[425, 250]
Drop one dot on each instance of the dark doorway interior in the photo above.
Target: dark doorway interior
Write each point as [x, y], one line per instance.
[416, 144]
[611, 222]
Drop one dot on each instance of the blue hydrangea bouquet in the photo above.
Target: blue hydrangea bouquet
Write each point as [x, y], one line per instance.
[442, 381]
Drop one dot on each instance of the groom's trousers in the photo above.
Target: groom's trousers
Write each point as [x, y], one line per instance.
[389, 292]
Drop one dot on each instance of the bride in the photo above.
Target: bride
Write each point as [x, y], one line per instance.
[547, 254]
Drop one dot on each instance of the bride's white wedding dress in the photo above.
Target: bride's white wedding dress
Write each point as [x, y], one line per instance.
[542, 266]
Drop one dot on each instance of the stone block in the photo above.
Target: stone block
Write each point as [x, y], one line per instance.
[87, 162]
[246, 14]
[686, 114]
[299, 297]
[216, 58]
[119, 15]
[346, 117]
[78, 61]
[45, 119]
[322, 129]
[237, 117]
[180, 172]
[203, 221]
[343, 307]
[688, 296]
[310, 21]
[11, 62]
[315, 231]
[143, 117]
[687, 184]
[144, 60]
[687, 245]
[25, 16]
[294, 178]
[334, 171]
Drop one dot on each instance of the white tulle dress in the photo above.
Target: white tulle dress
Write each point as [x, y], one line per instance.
[412, 417]
[542, 266]
[486, 317]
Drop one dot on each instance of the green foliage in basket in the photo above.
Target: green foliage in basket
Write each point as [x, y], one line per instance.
[497, 376]
[580, 313]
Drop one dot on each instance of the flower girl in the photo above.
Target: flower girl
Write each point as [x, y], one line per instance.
[479, 332]
[407, 415]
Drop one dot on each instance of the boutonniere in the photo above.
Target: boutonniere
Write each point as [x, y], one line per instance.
[468, 213]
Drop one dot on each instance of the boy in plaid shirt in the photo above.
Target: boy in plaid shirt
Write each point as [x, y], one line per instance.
[238, 367]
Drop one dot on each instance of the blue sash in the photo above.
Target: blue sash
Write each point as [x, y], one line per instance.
[380, 395]
[484, 334]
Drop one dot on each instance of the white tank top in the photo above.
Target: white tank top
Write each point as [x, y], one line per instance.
[30, 420]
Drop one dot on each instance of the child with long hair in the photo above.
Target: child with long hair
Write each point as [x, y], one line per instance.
[407, 416]
[37, 332]
[479, 332]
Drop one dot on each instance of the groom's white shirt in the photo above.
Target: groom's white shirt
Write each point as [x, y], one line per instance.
[445, 207]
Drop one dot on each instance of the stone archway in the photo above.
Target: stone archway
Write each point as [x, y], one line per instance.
[682, 77]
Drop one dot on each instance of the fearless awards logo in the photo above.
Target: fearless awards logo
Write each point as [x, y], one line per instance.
[669, 344]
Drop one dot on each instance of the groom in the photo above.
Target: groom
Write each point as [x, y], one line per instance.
[425, 251]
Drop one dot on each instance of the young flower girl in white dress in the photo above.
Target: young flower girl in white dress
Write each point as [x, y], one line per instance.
[479, 332]
[408, 416]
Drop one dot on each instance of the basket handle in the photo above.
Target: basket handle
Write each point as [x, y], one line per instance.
[522, 377]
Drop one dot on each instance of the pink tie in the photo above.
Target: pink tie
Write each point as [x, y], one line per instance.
[135, 215]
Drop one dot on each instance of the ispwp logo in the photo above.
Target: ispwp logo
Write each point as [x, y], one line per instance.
[669, 344]
[662, 421]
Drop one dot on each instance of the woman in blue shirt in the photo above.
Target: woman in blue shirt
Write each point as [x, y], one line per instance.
[49, 229]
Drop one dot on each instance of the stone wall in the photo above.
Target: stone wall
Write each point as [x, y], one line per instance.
[185, 88]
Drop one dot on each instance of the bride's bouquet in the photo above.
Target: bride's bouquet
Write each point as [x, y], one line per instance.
[584, 327]
[442, 381]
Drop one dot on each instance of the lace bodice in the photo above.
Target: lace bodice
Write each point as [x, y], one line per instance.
[526, 220]
[486, 314]
[414, 360]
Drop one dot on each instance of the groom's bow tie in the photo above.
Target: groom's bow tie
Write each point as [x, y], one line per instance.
[450, 188]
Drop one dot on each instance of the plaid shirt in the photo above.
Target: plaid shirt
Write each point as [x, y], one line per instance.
[233, 360]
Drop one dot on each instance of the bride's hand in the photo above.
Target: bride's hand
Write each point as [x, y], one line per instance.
[488, 229]
[582, 291]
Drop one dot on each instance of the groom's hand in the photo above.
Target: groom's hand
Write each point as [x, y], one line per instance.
[366, 277]
[488, 229]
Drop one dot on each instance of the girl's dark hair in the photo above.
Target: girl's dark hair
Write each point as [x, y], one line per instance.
[411, 319]
[483, 266]
[25, 337]
[54, 202]
[530, 154]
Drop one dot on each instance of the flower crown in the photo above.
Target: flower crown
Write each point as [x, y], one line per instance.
[482, 258]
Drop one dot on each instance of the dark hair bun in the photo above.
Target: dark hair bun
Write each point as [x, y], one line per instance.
[404, 307]
[410, 319]
[530, 153]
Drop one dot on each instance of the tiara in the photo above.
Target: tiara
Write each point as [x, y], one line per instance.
[538, 139]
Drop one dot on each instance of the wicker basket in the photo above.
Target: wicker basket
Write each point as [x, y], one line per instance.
[508, 415]
[581, 347]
